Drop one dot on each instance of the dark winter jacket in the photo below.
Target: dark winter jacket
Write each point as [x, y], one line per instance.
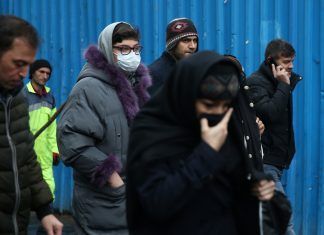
[92, 132]
[160, 70]
[272, 101]
[22, 187]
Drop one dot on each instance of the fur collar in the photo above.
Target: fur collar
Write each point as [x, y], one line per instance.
[132, 98]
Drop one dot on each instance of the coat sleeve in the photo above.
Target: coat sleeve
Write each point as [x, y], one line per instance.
[165, 190]
[79, 130]
[268, 108]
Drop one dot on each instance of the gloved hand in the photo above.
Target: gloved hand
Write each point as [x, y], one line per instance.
[56, 159]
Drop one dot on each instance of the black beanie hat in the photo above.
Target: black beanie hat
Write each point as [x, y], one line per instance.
[221, 82]
[177, 29]
[37, 65]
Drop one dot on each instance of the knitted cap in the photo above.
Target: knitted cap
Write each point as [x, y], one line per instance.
[37, 65]
[177, 29]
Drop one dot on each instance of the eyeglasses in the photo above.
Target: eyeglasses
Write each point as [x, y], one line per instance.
[125, 50]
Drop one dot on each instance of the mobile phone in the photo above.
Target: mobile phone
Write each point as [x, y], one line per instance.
[271, 61]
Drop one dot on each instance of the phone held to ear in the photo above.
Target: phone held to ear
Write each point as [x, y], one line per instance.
[271, 61]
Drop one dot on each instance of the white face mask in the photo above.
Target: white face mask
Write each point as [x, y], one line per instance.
[128, 62]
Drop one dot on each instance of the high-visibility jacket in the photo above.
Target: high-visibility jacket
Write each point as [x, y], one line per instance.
[41, 108]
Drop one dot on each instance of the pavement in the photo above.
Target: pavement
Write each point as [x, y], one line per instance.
[35, 227]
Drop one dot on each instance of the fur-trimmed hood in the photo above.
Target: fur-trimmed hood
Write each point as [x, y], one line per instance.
[131, 97]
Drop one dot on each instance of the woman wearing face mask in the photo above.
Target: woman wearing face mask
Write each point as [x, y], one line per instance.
[93, 131]
[189, 169]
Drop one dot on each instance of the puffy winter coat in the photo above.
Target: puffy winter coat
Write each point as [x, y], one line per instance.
[22, 187]
[93, 128]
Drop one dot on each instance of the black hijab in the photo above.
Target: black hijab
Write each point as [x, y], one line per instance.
[168, 126]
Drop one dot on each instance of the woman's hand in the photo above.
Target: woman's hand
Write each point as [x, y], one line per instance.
[115, 180]
[264, 190]
[215, 136]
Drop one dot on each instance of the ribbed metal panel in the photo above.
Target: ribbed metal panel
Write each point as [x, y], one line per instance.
[242, 28]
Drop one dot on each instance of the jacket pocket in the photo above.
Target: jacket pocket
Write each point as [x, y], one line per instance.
[105, 210]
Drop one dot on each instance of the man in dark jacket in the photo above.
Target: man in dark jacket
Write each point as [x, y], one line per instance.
[22, 187]
[181, 41]
[270, 89]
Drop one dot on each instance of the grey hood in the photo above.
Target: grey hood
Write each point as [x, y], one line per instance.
[105, 41]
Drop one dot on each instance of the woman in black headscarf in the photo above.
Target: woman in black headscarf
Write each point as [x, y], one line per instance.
[192, 167]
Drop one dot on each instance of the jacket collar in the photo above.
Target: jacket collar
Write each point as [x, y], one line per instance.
[295, 78]
[169, 57]
[31, 89]
[4, 94]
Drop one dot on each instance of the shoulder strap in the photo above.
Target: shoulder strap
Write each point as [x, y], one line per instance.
[49, 122]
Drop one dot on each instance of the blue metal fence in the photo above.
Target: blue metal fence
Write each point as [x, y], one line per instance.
[239, 27]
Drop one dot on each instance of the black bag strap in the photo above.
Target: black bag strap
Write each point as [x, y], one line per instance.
[49, 122]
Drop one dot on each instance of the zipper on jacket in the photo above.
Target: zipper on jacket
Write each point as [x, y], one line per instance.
[14, 166]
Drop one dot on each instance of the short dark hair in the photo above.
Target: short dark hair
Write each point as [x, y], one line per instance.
[124, 31]
[12, 27]
[279, 47]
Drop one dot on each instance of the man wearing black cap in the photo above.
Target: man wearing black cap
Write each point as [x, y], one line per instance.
[181, 41]
[41, 109]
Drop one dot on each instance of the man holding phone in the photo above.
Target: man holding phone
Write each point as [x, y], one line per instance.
[270, 89]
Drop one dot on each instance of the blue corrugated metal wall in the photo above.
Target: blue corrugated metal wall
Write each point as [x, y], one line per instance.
[239, 27]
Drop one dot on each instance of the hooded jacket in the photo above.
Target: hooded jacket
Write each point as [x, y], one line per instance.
[22, 187]
[93, 136]
[177, 184]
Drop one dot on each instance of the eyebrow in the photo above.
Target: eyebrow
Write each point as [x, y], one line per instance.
[190, 38]
[43, 71]
[19, 62]
[207, 101]
[122, 45]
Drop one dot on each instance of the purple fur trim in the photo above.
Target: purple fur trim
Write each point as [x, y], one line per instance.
[131, 98]
[105, 170]
[141, 88]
